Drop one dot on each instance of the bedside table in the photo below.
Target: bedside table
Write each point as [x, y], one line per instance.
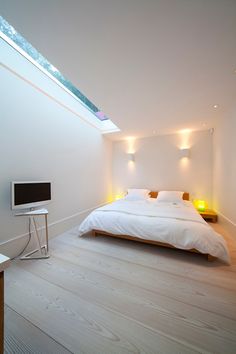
[209, 215]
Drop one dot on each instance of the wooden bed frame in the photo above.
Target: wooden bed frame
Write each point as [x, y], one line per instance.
[162, 244]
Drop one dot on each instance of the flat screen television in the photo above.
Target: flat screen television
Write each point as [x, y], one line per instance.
[30, 194]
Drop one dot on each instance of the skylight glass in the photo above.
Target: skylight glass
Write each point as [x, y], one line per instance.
[21, 42]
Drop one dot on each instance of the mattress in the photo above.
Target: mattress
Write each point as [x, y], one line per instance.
[178, 224]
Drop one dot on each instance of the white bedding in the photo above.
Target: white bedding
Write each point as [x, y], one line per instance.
[178, 224]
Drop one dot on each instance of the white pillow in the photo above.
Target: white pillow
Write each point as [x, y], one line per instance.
[137, 194]
[170, 196]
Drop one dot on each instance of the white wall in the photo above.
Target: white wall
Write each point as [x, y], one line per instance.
[224, 169]
[43, 137]
[158, 165]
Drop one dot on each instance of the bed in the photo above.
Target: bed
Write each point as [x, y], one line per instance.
[171, 224]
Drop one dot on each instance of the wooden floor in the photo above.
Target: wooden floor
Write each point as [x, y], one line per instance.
[103, 295]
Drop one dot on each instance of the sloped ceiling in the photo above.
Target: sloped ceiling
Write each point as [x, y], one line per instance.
[153, 66]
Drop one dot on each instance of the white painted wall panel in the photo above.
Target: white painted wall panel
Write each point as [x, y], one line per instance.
[42, 140]
[158, 165]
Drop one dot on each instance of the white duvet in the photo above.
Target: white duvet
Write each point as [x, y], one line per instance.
[178, 224]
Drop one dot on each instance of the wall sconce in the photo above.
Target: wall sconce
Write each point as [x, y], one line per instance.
[131, 157]
[184, 153]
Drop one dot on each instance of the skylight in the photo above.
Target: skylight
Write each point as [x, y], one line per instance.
[21, 42]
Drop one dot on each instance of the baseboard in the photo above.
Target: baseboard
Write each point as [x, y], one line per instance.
[14, 246]
[228, 224]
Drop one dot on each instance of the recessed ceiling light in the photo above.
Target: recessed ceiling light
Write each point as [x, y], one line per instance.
[215, 106]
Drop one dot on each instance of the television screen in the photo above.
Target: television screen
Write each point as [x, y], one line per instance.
[30, 194]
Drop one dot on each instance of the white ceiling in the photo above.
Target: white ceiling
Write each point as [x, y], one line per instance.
[150, 65]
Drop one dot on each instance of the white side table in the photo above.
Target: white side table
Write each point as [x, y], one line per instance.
[42, 250]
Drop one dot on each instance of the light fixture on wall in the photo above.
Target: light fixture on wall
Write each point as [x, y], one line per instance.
[131, 157]
[184, 153]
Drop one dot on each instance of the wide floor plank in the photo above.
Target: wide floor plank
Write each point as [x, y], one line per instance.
[22, 337]
[193, 267]
[79, 325]
[177, 287]
[104, 295]
[180, 321]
